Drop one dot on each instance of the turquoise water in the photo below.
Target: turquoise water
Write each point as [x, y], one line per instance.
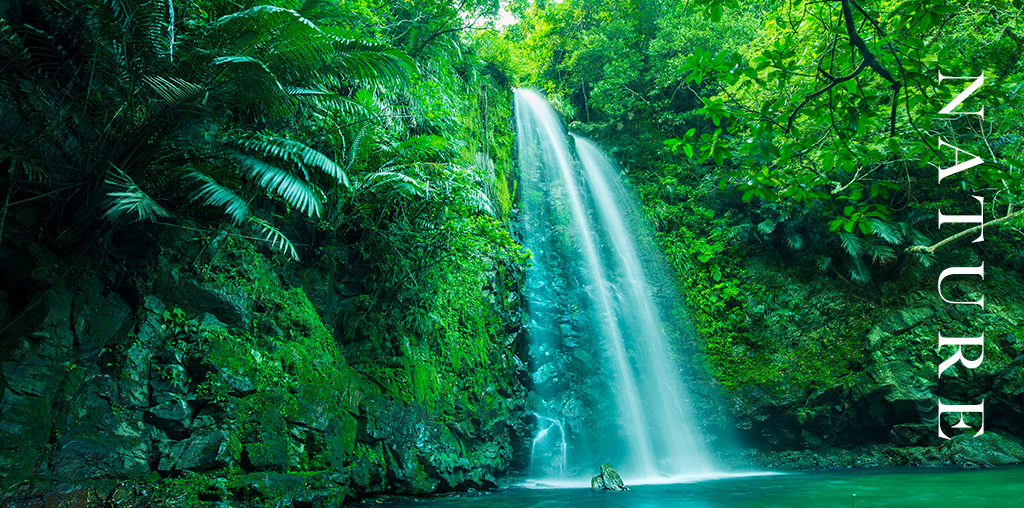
[889, 488]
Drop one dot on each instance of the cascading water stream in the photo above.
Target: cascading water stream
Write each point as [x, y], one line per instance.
[556, 442]
[668, 407]
[575, 224]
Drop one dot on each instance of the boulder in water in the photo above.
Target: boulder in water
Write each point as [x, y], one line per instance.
[608, 479]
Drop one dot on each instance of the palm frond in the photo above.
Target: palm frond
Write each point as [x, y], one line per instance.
[364, 60]
[853, 245]
[403, 183]
[277, 240]
[295, 191]
[128, 199]
[212, 193]
[291, 151]
[174, 90]
[886, 231]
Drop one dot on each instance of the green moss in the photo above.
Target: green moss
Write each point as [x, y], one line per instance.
[186, 490]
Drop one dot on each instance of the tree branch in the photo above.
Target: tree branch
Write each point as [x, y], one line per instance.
[862, 47]
[833, 82]
[931, 249]
[858, 42]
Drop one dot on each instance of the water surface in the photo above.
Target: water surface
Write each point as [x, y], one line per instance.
[889, 488]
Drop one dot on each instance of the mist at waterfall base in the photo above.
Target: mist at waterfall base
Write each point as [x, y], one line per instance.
[605, 384]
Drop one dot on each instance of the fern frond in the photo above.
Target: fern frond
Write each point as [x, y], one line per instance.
[824, 262]
[174, 90]
[277, 240]
[925, 258]
[364, 60]
[353, 153]
[291, 151]
[152, 23]
[404, 183]
[129, 199]
[250, 27]
[886, 231]
[297, 192]
[480, 201]
[329, 99]
[213, 193]
[1005, 140]
[290, 44]
[251, 87]
[122, 11]
[851, 244]
[859, 271]
[879, 252]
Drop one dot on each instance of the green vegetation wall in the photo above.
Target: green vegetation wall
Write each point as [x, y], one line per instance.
[253, 252]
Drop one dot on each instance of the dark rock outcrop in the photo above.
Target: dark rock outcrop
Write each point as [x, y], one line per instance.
[607, 479]
[236, 391]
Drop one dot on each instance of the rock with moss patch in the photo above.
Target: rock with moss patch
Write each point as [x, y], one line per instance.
[985, 450]
[607, 479]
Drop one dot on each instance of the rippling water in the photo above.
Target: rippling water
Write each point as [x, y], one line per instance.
[889, 488]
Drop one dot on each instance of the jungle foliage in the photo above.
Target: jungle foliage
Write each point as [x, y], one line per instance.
[360, 142]
[769, 141]
[786, 142]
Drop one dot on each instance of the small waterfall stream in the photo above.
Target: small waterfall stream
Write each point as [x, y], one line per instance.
[601, 366]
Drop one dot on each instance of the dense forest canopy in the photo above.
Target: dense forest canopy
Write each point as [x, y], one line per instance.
[809, 130]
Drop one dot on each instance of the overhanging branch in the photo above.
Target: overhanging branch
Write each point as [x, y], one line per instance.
[967, 232]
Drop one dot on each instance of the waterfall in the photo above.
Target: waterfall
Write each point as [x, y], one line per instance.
[602, 370]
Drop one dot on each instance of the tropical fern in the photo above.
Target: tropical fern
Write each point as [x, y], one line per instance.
[369, 61]
[149, 102]
[891, 233]
[390, 180]
[127, 198]
[292, 151]
[852, 244]
[175, 90]
[295, 191]
[212, 193]
[277, 240]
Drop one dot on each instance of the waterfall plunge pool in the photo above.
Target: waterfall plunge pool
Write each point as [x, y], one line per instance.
[859, 488]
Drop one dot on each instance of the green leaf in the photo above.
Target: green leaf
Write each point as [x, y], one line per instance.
[277, 240]
[127, 198]
[293, 189]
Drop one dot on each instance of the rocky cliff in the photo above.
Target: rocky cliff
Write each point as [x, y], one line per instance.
[173, 372]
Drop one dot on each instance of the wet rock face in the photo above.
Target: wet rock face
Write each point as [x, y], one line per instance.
[990, 449]
[105, 397]
[888, 398]
[607, 479]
